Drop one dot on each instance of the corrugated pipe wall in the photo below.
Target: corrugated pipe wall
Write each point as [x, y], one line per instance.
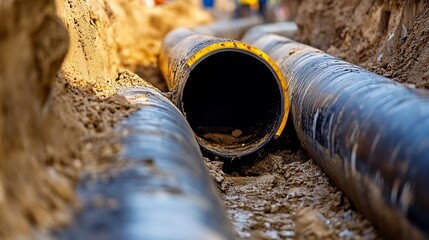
[369, 133]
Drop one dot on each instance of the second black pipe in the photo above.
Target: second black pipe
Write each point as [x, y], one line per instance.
[369, 133]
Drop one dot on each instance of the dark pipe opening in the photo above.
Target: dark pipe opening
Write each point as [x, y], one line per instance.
[233, 102]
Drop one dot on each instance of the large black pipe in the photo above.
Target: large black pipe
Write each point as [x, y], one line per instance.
[162, 190]
[232, 94]
[369, 133]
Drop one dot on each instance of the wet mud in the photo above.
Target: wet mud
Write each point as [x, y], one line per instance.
[280, 193]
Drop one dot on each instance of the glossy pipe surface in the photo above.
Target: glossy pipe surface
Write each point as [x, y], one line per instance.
[369, 133]
[162, 189]
[232, 94]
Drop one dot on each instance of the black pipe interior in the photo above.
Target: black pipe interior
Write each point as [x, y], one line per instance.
[232, 90]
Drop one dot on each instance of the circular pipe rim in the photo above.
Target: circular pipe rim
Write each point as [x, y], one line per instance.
[267, 61]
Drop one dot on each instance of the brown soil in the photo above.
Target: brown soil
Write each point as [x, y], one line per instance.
[386, 36]
[234, 137]
[37, 167]
[283, 194]
[62, 62]
[56, 122]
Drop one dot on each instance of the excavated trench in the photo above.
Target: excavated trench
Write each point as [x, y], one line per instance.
[278, 192]
[275, 193]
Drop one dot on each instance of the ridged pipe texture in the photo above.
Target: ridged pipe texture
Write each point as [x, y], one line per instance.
[369, 133]
[232, 94]
[163, 189]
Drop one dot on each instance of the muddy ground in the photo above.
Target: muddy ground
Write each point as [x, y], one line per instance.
[280, 193]
[62, 61]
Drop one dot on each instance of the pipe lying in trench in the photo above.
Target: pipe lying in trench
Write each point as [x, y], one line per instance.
[232, 94]
[163, 191]
[369, 133]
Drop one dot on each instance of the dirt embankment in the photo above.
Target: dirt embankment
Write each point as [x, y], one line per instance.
[35, 157]
[386, 36]
[58, 79]
[110, 36]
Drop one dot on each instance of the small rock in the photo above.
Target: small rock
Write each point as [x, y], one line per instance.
[236, 133]
[267, 207]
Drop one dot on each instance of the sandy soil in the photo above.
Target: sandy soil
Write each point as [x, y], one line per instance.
[36, 161]
[60, 66]
[58, 79]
